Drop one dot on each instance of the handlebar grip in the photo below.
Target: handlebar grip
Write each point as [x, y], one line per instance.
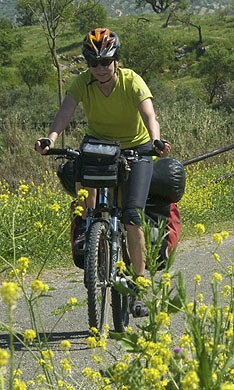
[45, 142]
[159, 144]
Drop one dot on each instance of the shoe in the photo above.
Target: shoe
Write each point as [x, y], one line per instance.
[138, 308]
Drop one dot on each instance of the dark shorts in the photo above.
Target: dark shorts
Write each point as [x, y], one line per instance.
[135, 190]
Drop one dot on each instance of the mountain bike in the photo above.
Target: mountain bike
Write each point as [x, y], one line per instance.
[105, 244]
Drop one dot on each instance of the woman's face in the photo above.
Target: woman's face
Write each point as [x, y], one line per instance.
[103, 72]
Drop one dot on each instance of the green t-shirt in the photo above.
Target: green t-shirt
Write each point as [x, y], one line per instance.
[115, 117]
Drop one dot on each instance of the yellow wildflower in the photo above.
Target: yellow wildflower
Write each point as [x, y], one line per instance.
[217, 237]
[120, 266]
[216, 257]
[18, 385]
[17, 372]
[87, 372]
[197, 279]
[40, 379]
[227, 386]
[61, 383]
[38, 225]
[91, 342]
[23, 188]
[65, 344]
[165, 338]
[93, 331]
[3, 357]
[54, 207]
[151, 375]
[23, 263]
[200, 298]
[119, 367]
[165, 278]
[72, 302]
[97, 359]
[9, 292]
[101, 344]
[226, 290]
[78, 210]
[191, 381]
[199, 228]
[82, 195]
[185, 341]
[216, 277]
[37, 286]
[65, 366]
[48, 354]
[29, 335]
[4, 197]
[142, 282]
[225, 235]
[163, 319]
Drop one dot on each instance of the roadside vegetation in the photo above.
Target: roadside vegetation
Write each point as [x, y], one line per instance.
[192, 82]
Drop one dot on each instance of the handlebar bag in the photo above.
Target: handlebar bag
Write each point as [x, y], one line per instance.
[100, 163]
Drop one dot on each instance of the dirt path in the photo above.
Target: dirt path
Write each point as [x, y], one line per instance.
[191, 259]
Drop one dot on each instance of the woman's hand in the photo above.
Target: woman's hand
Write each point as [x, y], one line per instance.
[43, 145]
[162, 148]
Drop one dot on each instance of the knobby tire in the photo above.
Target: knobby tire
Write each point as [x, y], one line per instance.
[98, 260]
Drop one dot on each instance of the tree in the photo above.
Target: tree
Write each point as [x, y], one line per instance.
[143, 49]
[9, 41]
[160, 6]
[27, 12]
[186, 20]
[35, 70]
[90, 15]
[216, 68]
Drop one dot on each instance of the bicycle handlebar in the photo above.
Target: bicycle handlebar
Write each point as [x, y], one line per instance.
[72, 153]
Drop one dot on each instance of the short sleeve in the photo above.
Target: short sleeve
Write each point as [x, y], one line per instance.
[140, 89]
[78, 86]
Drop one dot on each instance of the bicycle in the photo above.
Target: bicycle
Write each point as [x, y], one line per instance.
[105, 244]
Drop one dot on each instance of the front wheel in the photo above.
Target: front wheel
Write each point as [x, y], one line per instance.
[98, 271]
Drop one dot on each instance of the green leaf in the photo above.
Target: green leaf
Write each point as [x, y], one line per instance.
[123, 290]
[204, 370]
[174, 305]
[127, 340]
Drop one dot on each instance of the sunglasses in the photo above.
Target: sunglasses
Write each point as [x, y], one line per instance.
[103, 62]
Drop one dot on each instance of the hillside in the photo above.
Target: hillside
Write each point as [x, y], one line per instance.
[116, 8]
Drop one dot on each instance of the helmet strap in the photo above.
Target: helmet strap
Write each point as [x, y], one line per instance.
[107, 81]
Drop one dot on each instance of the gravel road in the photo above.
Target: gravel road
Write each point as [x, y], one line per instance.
[191, 258]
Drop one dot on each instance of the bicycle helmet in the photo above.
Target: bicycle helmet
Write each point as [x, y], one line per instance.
[100, 43]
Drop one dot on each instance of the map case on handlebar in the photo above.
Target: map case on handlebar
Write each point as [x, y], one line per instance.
[100, 164]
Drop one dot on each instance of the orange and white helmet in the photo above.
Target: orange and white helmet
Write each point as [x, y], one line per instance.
[101, 43]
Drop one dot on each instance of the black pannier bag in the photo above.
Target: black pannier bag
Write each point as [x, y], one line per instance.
[66, 173]
[100, 161]
[168, 179]
[167, 188]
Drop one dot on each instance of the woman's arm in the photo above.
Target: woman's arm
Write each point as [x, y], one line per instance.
[61, 121]
[148, 115]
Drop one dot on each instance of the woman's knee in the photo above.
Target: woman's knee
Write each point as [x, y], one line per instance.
[131, 217]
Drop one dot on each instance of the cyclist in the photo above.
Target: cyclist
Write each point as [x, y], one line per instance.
[118, 106]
